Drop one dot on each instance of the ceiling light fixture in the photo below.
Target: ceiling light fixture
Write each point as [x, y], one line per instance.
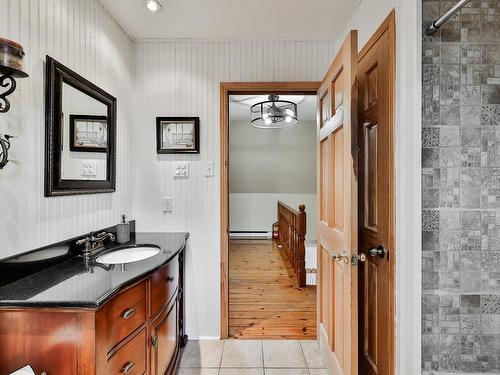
[153, 5]
[274, 113]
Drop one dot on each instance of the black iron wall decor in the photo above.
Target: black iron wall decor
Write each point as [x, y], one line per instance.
[4, 150]
[11, 67]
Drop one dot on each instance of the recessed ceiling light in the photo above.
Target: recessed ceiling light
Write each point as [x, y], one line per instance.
[153, 5]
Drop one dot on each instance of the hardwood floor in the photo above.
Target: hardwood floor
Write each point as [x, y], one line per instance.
[263, 303]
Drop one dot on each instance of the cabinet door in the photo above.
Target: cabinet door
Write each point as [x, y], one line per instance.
[164, 336]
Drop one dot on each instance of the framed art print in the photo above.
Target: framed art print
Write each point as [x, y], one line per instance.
[88, 133]
[177, 135]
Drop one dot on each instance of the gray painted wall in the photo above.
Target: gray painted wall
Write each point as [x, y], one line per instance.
[461, 191]
[272, 160]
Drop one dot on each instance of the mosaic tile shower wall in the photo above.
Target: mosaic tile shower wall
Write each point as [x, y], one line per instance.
[461, 190]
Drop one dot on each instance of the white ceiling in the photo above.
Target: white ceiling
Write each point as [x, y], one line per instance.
[239, 106]
[234, 19]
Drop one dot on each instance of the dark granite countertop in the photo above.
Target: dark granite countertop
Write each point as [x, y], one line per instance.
[73, 283]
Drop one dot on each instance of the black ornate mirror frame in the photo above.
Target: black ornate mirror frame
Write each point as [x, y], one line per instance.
[56, 74]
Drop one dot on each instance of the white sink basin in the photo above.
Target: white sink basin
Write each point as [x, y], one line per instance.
[128, 255]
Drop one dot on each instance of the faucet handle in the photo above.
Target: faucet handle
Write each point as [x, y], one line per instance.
[83, 241]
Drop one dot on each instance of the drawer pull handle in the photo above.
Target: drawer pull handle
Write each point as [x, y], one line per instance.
[128, 367]
[128, 313]
[154, 342]
[170, 279]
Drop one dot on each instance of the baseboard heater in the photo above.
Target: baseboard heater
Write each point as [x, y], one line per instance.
[249, 235]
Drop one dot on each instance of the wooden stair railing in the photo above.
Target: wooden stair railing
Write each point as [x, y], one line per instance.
[291, 238]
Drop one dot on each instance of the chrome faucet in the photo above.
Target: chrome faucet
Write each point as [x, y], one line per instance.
[94, 243]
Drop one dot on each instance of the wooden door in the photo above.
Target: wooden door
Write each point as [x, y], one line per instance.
[337, 202]
[376, 208]
[164, 336]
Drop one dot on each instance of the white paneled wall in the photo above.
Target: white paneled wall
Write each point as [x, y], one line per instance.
[82, 35]
[181, 78]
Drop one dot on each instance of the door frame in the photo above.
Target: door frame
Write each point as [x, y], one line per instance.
[235, 88]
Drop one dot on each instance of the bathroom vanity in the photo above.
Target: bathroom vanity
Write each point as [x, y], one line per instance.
[83, 317]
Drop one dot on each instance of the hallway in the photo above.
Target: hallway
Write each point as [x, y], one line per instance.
[262, 300]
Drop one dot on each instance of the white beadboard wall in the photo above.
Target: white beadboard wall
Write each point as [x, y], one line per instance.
[82, 35]
[181, 78]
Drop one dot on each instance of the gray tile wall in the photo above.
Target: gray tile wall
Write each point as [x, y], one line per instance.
[461, 190]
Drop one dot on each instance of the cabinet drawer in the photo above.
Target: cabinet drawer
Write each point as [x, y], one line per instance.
[124, 314]
[131, 358]
[164, 282]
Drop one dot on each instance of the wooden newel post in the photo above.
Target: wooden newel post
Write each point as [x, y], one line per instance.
[301, 249]
[292, 235]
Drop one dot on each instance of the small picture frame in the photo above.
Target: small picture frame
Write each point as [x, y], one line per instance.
[178, 135]
[88, 133]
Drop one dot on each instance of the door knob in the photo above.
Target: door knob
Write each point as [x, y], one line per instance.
[344, 255]
[358, 258]
[379, 251]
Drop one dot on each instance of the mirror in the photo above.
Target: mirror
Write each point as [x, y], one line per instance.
[80, 134]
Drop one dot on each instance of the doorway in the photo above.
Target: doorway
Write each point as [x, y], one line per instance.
[255, 238]
[356, 204]
[272, 216]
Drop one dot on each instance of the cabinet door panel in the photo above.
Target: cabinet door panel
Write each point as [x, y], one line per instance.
[164, 339]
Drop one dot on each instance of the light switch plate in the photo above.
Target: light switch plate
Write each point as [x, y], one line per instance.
[208, 169]
[166, 204]
[181, 169]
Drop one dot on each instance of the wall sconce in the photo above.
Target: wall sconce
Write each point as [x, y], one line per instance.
[11, 67]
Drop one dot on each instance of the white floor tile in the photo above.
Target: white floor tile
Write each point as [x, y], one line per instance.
[205, 353]
[286, 371]
[318, 371]
[312, 353]
[283, 353]
[241, 371]
[198, 371]
[242, 353]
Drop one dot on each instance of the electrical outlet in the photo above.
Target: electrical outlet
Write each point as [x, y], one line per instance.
[166, 204]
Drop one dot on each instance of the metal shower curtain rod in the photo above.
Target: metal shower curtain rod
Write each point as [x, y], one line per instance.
[445, 17]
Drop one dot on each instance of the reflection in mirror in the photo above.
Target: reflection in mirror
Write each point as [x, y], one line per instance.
[80, 131]
[84, 143]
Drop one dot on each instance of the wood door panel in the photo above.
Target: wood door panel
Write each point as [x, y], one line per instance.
[371, 314]
[324, 181]
[325, 290]
[376, 208]
[371, 93]
[338, 88]
[370, 185]
[337, 197]
[337, 220]
[325, 108]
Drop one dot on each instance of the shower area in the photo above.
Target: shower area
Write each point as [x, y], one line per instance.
[460, 187]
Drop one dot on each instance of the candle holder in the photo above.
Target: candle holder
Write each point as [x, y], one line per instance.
[11, 67]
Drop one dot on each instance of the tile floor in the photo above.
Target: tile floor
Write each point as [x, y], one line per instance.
[252, 357]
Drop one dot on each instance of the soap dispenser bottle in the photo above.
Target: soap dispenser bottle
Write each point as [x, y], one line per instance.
[123, 231]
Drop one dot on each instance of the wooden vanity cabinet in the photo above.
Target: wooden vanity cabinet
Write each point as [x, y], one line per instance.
[165, 340]
[137, 332]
